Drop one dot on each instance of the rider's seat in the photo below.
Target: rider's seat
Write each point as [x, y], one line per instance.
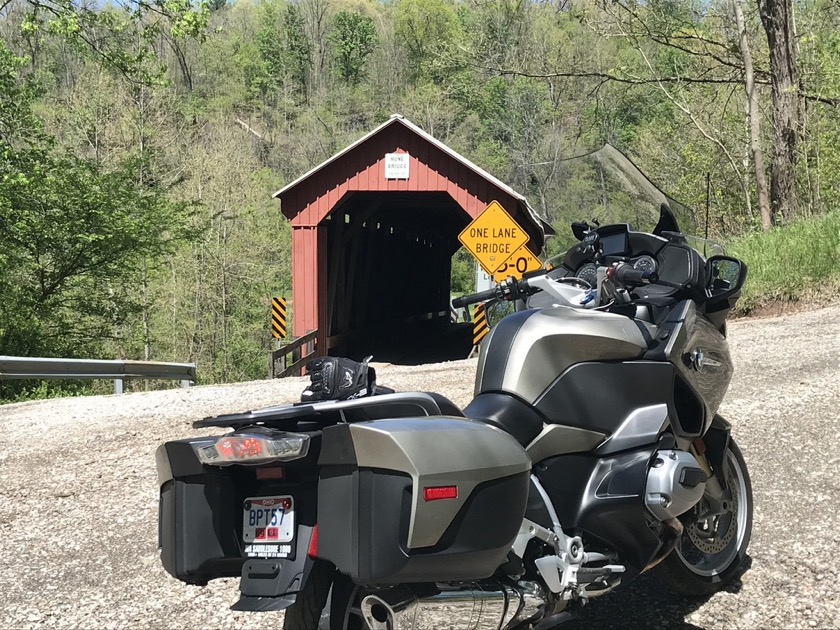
[508, 413]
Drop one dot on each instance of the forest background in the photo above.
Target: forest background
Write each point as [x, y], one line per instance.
[141, 141]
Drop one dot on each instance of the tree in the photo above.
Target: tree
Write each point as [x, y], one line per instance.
[353, 39]
[754, 118]
[299, 48]
[102, 32]
[777, 19]
[71, 233]
[424, 27]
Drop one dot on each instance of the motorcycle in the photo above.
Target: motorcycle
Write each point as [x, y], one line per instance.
[592, 452]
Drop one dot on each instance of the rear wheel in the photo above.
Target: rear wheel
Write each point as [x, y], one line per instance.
[305, 613]
[329, 600]
[709, 554]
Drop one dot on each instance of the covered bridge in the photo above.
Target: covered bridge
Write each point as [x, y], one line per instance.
[374, 229]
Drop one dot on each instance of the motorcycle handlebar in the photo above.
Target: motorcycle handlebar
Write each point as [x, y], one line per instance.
[625, 274]
[475, 298]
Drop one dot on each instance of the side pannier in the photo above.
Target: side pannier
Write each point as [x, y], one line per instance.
[419, 499]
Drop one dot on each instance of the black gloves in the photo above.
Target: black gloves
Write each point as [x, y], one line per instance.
[335, 378]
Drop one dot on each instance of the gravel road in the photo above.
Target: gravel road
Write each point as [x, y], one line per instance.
[78, 515]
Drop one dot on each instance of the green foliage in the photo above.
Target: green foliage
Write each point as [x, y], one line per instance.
[463, 273]
[141, 143]
[354, 39]
[426, 28]
[790, 263]
[71, 234]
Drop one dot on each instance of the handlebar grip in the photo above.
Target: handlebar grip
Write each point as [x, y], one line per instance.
[474, 298]
[626, 274]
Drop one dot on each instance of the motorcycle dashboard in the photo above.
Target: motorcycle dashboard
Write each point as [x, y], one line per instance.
[646, 251]
[614, 240]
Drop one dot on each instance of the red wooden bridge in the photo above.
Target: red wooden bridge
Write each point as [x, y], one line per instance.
[374, 229]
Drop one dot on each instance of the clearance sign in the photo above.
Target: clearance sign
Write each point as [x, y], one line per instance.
[498, 244]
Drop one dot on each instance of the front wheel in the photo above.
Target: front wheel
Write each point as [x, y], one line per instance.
[709, 554]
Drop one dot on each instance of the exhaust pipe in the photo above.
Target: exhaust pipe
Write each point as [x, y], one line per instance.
[473, 606]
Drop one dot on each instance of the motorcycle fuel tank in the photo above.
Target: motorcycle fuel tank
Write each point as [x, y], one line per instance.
[528, 350]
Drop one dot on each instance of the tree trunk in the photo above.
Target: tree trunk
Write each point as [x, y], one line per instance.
[777, 19]
[754, 119]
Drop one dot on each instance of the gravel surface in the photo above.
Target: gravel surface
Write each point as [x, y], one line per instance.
[78, 515]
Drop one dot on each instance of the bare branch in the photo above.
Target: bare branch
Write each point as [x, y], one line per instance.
[249, 129]
[684, 108]
[606, 76]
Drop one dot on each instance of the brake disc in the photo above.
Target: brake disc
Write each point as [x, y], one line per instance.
[715, 541]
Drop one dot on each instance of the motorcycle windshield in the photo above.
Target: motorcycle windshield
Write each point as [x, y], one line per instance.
[605, 187]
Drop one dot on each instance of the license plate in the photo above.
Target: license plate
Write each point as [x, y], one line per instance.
[268, 520]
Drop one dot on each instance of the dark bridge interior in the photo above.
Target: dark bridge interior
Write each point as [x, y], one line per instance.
[389, 258]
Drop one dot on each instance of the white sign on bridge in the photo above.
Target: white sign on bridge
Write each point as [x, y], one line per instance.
[397, 165]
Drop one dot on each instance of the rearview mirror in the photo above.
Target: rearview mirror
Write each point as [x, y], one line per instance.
[580, 229]
[726, 276]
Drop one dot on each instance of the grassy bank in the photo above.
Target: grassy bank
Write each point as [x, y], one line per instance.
[797, 262]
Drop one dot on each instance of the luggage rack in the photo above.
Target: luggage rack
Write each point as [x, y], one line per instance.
[398, 405]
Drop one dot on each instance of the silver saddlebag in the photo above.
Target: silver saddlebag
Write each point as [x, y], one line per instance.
[419, 499]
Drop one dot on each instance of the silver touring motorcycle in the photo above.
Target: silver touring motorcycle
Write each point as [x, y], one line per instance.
[592, 452]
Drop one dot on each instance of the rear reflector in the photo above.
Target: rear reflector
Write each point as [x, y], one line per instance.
[253, 448]
[275, 472]
[440, 492]
[313, 543]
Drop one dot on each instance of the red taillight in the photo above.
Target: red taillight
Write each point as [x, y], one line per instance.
[239, 448]
[253, 448]
[313, 543]
[440, 492]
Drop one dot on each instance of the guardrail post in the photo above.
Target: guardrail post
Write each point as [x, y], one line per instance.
[186, 384]
[118, 385]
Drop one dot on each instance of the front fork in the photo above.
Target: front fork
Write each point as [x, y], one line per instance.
[716, 498]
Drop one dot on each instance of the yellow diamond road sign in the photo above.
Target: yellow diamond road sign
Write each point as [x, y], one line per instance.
[493, 237]
[521, 262]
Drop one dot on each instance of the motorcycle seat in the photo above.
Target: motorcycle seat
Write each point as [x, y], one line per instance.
[446, 406]
[508, 413]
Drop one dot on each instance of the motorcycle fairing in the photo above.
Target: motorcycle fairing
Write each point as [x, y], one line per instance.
[603, 497]
[601, 396]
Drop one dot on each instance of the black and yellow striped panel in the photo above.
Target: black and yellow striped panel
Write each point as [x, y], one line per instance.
[480, 325]
[278, 318]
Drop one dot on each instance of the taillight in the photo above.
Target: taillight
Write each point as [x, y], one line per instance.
[253, 448]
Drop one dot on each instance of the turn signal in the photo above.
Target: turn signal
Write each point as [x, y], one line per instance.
[440, 492]
[253, 448]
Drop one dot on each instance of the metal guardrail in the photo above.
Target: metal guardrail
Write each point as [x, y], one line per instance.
[91, 369]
